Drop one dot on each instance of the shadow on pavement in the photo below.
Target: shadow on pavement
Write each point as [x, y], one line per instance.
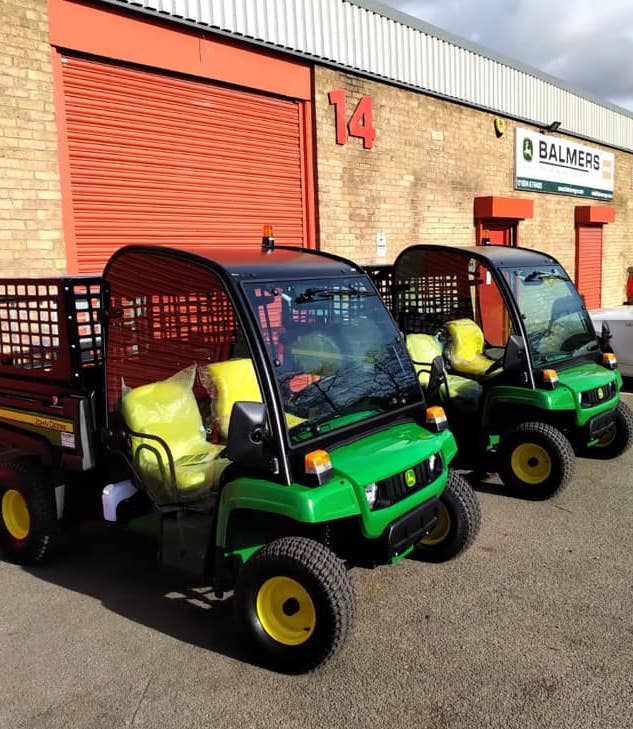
[487, 483]
[120, 569]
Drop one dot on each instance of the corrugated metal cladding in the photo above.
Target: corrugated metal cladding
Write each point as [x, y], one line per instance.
[164, 160]
[589, 264]
[362, 39]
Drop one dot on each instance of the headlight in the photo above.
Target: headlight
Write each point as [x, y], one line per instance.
[371, 494]
[436, 465]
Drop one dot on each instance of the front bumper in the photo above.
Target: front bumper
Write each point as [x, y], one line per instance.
[598, 425]
[407, 530]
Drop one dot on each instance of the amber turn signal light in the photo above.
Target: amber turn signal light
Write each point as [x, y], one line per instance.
[436, 418]
[609, 360]
[550, 379]
[318, 466]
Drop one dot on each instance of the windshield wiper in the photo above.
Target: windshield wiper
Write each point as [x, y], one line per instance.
[543, 275]
[316, 294]
[381, 368]
[315, 394]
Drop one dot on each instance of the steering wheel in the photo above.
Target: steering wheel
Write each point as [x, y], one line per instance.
[576, 340]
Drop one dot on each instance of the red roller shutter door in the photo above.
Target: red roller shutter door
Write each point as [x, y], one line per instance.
[589, 264]
[160, 159]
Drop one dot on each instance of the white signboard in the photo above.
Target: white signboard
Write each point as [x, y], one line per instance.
[544, 163]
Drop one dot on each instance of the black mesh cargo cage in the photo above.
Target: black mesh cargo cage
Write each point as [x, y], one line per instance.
[431, 285]
[50, 328]
[382, 277]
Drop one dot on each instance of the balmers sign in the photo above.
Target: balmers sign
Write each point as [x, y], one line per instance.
[550, 164]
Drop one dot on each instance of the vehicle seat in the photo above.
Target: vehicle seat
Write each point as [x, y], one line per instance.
[231, 381]
[168, 410]
[465, 348]
[361, 341]
[316, 353]
[423, 349]
[563, 306]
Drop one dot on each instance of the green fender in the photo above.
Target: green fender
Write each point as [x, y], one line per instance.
[357, 464]
[334, 500]
[506, 395]
[564, 398]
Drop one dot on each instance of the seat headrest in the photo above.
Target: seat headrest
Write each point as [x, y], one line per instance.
[465, 333]
[229, 382]
[423, 347]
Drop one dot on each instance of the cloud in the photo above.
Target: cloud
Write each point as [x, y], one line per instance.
[574, 41]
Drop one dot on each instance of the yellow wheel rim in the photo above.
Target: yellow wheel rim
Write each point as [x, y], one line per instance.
[441, 530]
[286, 610]
[606, 439]
[15, 514]
[531, 463]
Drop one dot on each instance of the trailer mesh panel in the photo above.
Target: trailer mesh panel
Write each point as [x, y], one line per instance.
[50, 327]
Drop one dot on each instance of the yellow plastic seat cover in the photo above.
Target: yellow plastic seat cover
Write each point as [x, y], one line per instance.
[316, 353]
[466, 391]
[465, 349]
[168, 409]
[423, 348]
[231, 381]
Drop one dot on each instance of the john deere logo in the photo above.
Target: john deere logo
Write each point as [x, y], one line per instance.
[409, 477]
[600, 393]
[528, 150]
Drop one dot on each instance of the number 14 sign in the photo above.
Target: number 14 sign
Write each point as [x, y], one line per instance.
[361, 123]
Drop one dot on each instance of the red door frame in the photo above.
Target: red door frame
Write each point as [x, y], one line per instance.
[595, 217]
[490, 232]
[497, 219]
[497, 223]
[117, 34]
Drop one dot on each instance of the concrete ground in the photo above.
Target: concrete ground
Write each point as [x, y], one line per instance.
[532, 627]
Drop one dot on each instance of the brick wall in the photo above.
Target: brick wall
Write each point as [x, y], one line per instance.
[417, 189]
[30, 202]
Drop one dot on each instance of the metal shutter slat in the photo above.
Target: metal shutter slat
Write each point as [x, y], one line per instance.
[159, 159]
[589, 264]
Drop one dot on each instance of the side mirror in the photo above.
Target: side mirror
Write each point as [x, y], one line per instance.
[604, 338]
[514, 356]
[436, 378]
[246, 442]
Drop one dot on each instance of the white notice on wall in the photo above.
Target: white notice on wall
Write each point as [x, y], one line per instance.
[381, 245]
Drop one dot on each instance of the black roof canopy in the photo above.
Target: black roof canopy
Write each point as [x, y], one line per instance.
[490, 256]
[252, 264]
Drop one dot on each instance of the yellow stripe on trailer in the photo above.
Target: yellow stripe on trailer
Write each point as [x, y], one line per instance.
[39, 421]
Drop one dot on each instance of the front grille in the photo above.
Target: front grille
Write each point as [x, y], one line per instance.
[594, 397]
[599, 424]
[403, 484]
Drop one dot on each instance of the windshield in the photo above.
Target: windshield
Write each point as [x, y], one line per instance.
[556, 322]
[337, 355]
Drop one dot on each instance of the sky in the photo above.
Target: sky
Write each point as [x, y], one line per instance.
[587, 43]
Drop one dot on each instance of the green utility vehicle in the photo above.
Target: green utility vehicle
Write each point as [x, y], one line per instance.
[501, 338]
[261, 404]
